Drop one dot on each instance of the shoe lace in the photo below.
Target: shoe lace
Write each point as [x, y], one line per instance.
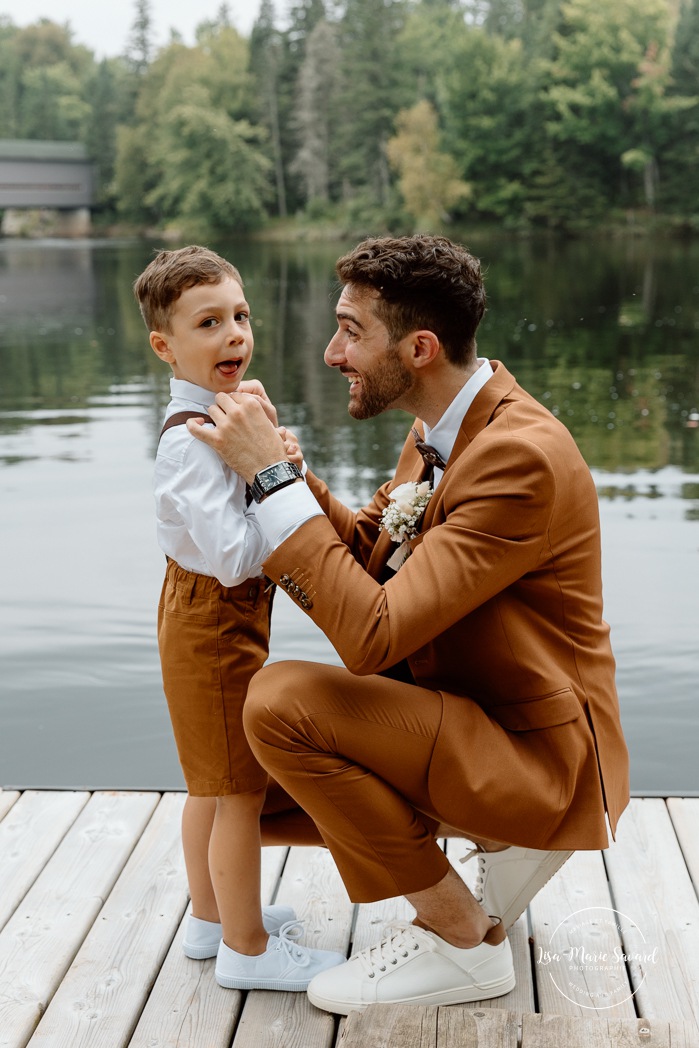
[480, 876]
[287, 936]
[399, 940]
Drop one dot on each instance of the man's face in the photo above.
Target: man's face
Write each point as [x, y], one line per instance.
[362, 350]
[210, 339]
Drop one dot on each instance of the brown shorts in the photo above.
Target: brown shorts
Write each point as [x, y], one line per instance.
[212, 639]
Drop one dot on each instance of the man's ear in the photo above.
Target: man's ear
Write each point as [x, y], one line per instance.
[160, 346]
[425, 347]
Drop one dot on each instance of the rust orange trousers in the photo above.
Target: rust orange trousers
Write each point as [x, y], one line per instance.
[354, 754]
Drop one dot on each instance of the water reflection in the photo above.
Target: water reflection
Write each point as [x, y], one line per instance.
[604, 334]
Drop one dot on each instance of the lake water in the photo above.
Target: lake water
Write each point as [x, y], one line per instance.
[605, 334]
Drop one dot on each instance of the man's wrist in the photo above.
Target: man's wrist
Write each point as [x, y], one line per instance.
[273, 477]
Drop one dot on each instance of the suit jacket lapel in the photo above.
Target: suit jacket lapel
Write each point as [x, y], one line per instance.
[487, 400]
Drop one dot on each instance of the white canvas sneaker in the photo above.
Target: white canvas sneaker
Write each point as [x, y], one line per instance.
[508, 880]
[201, 938]
[414, 966]
[283, 966]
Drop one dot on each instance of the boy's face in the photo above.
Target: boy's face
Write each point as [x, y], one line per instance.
[210, 339]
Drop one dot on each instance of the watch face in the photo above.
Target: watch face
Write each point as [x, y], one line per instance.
[273, 477]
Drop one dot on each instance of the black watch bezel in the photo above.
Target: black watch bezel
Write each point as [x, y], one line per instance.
[274, 477]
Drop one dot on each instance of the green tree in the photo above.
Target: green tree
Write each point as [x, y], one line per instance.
[109, 91]
[609, 92]
[10, 80]
[681, 153]
[191, 156]
[428, 178]
[371, 93]
[315, 112]
[265, 60]
[139, 48]
[492, 121]
[215, 177]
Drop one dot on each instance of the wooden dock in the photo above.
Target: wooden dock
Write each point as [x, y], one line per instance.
[93, 895]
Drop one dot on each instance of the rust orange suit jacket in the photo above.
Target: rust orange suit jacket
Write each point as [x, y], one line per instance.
[499, 609]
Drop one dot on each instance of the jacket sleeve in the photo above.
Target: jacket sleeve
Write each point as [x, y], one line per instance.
[486, 529]
[358, 531]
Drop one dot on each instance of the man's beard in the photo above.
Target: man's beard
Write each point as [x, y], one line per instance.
[381, 387]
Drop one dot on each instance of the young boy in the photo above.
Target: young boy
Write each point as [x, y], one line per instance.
[213, 626]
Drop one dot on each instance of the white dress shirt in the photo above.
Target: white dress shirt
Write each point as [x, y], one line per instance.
[285, 511]
[202, 520]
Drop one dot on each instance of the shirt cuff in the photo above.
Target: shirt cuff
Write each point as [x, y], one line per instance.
[284, 511]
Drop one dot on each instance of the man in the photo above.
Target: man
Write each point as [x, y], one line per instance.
[478, 697]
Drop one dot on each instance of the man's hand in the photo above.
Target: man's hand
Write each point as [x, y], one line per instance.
[244, 436]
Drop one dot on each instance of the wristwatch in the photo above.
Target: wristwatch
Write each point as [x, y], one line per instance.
[271, 478]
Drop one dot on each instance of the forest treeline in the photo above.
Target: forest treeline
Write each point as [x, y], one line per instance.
[379, 114]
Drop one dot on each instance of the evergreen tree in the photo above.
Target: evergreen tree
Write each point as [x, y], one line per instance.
[681, 153]
[139, 49]
[370, 98]
[314, 113]
[265, 60]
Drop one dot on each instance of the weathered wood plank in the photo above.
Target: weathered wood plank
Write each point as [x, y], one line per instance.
[684, 812]
[471, 1027]
[651, 886]
[103, 993]
[521, 999]
[412, 1026]
[40, 940]
[384, 1025]
[311, 884]
[563, 1031]
[29, 835]
[283, 1020]
[7, 799]
[187, 1006]
[577, 942]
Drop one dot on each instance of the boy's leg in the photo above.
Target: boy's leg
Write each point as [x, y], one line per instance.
[234, 862]
[197, 821]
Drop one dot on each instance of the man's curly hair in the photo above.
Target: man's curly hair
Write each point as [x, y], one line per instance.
[424, 283]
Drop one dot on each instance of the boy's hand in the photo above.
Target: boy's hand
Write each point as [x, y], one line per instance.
[254, 388]
[291, 446]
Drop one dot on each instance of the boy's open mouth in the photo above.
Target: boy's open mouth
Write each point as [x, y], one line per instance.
[229, 367]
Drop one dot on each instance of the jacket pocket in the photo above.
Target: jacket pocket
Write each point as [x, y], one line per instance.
[546, 711]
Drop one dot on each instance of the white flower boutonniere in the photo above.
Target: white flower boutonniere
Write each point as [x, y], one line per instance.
[402, 514]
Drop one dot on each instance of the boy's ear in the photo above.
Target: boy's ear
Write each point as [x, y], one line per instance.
[160, 346]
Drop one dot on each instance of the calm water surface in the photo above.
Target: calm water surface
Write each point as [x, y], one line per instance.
[606, 335]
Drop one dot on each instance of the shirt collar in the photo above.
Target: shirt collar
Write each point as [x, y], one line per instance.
[443, 436]
[180, 389]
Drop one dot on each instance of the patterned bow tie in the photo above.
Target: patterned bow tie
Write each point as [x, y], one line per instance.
[429, 454]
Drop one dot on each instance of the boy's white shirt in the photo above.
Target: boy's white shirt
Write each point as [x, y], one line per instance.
[203, 522]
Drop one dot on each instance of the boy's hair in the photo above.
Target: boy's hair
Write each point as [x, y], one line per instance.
[170, 273]
[423, 282]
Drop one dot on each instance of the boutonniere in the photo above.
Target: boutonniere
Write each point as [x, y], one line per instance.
[402, 516]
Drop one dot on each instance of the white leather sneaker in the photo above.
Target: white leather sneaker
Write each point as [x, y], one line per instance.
[508, 880]
[201, 938]
[414, 966]
[283, 966]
